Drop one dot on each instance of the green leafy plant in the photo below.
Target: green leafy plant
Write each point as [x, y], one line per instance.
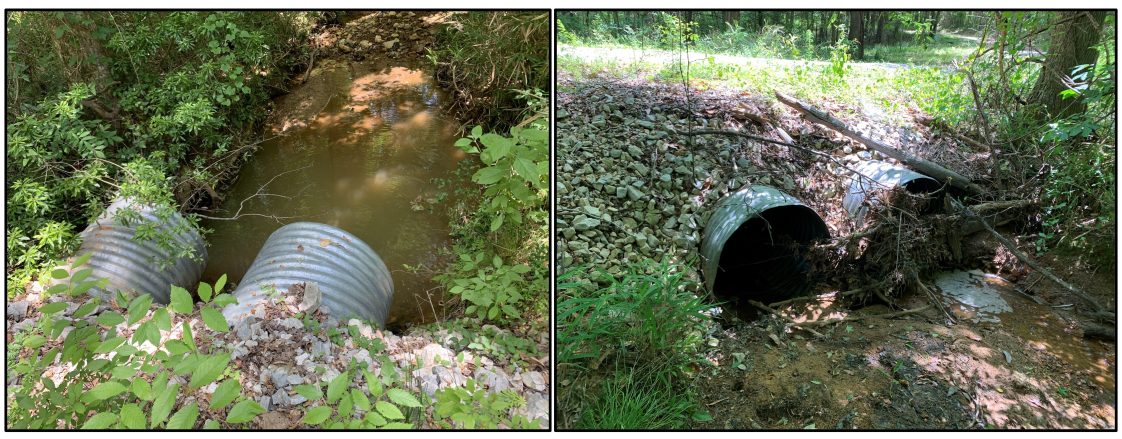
[648, 313]
[472, 407]
[516, 171]
[343, 404]
[129, 386]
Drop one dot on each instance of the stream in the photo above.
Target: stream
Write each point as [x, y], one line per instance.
[359, 146]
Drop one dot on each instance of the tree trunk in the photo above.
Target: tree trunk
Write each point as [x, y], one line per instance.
[1072, 44]
[732, 17]
[857, 32]
[935, 24]
[759, 20]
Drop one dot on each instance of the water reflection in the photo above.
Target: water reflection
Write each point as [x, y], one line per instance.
[375, 141]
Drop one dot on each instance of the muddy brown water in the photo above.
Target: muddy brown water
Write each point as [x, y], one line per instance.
[359, 146]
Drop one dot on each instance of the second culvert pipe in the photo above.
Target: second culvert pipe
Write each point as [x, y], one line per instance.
[351, 277]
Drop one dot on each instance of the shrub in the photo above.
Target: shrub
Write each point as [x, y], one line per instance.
[498, 276]
[113, 382]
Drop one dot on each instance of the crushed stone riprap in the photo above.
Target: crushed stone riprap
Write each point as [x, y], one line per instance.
[276, 353]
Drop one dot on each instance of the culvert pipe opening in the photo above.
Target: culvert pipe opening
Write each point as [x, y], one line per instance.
[754, 246]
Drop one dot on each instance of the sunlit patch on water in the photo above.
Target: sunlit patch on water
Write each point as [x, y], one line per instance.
[973, 295]
[359, 143]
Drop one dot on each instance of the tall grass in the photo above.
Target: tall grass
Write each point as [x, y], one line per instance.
[634, 336]
[638, 399]
[489, 57]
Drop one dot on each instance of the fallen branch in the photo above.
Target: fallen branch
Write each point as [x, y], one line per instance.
[259, 193]
[931, 296]
[1032, 263]
[923, 166]
[788, 319]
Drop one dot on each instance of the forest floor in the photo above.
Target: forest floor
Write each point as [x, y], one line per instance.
[631, 185]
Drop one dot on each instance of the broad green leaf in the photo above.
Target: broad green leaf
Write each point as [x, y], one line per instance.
[345, 408]
[476, 131]
[526, 168]
[110, 318]
[81, 275]
[142, 390]
[205, 292]
[86, 308]
[211, 424]
[100, 421]
[188, 337]
[174, 348]
[218, 285]
[403, 398]
[187, 364]
[180, 300]
[310, 391]
[34, 341]
[53, 307]
[131, 417]
[214, 320]
[398, 426]
[316, 415]
[388, 410]
[497, 145]
[85, 257]
[60, 273]
[489, 175]
[374, 419]
[108, 345]
[466, 420]
[57, 289]
[184, 418]
[497, 222]
[139, 307]
[123, 372]
[147, 331]
[225, 394]
[336, 387]
[162, 319]
[161, 408]
[106, 390]
[208, 370]
[373, 385]
[224, 299]
[360, 400]
[244, 411]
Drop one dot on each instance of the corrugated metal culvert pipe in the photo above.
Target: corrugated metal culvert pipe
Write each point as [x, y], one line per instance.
[352, 278]
[136, 266]
[876, 175]
[753, 244]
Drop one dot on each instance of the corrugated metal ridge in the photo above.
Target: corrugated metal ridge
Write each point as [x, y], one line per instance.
[883, 175]
[128, 264]
[349, 274]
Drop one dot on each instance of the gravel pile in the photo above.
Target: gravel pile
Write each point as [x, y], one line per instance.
[393, 34]
[631, 184]
[279, 352]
